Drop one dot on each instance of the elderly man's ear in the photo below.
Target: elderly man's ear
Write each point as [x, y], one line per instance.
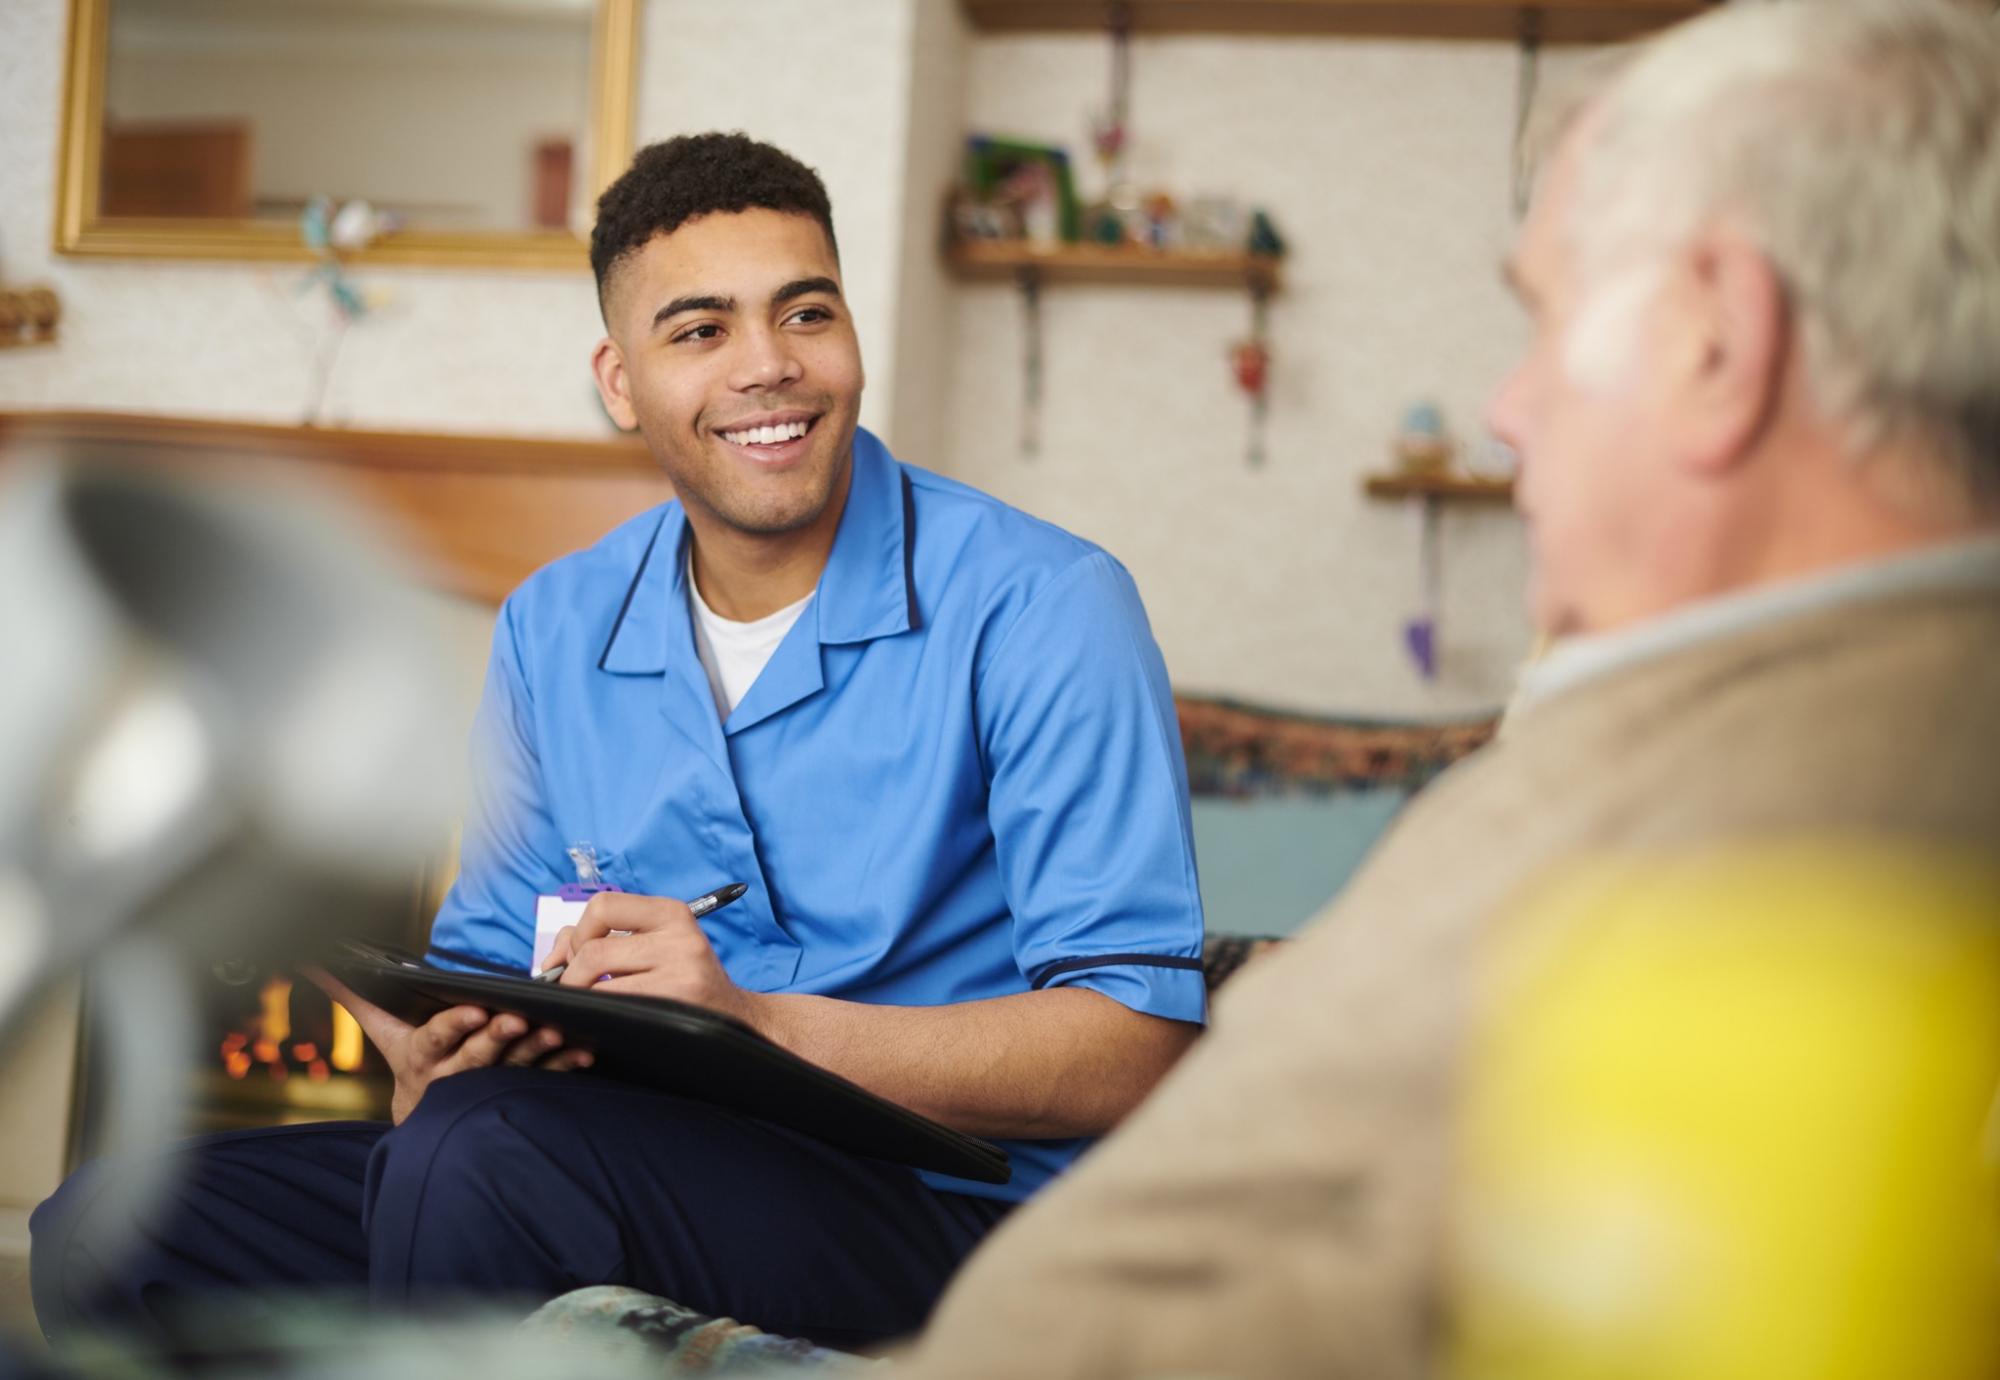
[1738, 347]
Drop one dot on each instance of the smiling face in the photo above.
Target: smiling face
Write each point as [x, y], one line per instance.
[732, 352]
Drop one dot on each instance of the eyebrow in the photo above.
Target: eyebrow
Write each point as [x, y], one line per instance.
[703, 301]
[804, 287]
[694, 302]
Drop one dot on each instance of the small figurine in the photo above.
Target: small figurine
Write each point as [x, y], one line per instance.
[1102, 224]
[1162, 221]
[1264, 236]
[1423, 446]
[1032, 187]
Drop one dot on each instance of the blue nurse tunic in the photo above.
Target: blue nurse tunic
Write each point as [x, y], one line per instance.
[958, 777]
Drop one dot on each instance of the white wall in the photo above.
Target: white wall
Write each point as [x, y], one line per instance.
[927, 304]
[1386, 167]
[1386, 164]
[828, 84]
[483, 351]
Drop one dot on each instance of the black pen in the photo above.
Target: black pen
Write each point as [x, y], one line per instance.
[700, 905]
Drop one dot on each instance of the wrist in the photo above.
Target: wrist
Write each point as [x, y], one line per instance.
[758, 1011]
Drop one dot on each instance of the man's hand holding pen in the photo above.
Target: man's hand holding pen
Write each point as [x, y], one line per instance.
[650, 945]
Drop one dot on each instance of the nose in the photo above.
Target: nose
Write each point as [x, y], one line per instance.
[765, 360]
[1502, 409]
[1507, 419]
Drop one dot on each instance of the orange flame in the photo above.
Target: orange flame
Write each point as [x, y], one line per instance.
[347, 1046]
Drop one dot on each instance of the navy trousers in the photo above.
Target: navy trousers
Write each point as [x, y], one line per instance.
[517, 1185]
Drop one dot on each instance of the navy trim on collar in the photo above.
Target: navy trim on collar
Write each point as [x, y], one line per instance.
[910, 550]
[866, 592]
[868, 589]
[630, 590]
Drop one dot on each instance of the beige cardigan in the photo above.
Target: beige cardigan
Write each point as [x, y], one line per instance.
[1276, 1207]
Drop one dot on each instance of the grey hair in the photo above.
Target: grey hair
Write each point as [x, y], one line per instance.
[1858, 142]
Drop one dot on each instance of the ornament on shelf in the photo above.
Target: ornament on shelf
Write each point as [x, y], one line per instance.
[1423, 446]
[1162, 224]
[29, 316]
[1012, 189]
[1264, 236]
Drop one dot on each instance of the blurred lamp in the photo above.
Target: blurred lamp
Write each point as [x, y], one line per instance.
[218, 737]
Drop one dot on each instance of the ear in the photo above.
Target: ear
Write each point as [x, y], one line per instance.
[607, 366]
[1739, 342]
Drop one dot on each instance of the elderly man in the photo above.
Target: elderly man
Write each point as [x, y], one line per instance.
[1759, 424]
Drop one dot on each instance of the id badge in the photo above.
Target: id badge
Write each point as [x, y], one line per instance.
[552, 913]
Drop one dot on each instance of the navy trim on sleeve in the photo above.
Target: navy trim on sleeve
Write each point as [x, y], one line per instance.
[485, 965]
[1043, 976]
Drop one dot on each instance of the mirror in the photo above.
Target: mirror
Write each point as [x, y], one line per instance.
[481, 131]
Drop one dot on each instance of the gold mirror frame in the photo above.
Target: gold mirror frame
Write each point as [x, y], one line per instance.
[82, 230]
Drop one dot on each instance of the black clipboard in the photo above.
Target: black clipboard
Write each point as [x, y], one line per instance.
[681, 1049]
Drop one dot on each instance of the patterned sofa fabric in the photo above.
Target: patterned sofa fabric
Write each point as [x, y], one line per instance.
[1237, 749]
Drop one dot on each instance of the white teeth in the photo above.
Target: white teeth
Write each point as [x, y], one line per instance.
[766, 435]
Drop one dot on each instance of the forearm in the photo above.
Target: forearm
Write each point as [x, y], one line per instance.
[1038, 1065]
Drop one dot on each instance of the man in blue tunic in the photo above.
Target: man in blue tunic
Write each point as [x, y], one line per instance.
[932, 735]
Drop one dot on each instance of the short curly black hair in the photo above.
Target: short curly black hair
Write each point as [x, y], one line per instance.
[678, 179]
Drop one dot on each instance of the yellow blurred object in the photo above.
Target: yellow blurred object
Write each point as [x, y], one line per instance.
[347, 1049]
[275, 1024]
[1735, 1118]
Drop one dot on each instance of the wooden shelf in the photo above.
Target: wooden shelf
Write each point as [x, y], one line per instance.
[1097, 263]
[1557, 21]
[1456, 487]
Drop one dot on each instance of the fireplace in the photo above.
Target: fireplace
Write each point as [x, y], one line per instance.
[280, 1052]
[271, 1049]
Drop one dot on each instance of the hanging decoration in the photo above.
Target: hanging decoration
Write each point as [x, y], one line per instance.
[1016, 210]
[1424, 449]
[1031, 363]
[1420, 631]
[1250, 361]
[330, 232]
[1111, 130]
[1527, 84]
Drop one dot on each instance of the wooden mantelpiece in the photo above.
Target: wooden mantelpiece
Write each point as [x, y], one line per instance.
[479, 512]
